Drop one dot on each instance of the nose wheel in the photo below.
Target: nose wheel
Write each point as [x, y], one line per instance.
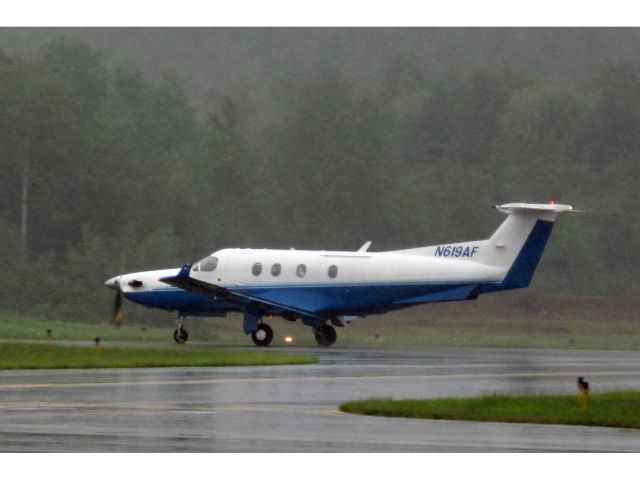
[180, 335]
[263, 335]
[325, 335]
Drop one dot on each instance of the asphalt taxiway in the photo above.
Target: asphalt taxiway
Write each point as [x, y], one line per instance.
[295, 408]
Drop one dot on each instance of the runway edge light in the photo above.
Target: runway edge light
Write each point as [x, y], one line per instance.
[583, 392]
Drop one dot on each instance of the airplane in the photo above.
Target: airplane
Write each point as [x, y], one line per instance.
[327, 289]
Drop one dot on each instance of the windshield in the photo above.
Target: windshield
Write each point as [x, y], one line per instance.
[207, 264]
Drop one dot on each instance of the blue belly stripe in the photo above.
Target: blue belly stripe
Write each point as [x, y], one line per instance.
[321, 299]
[181, 300]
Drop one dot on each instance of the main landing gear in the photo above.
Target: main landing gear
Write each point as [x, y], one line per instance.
[263, 335]
[180, 335]
[325, 335]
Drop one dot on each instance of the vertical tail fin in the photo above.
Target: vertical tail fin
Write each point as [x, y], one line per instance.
[518, 243]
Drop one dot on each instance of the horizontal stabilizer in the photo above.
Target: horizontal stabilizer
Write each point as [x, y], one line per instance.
[534, 208]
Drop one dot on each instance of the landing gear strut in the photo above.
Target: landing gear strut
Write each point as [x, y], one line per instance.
[263, 335]
[180, 335]
[325, 335]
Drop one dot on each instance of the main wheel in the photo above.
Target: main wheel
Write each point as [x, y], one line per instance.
[325, 335]
[263, 335]
[180, 335]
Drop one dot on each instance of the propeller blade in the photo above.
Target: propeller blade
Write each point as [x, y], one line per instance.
[117, 317]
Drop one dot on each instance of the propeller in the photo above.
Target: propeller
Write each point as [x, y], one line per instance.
[117, 310]
[117, 317]
[114, 284]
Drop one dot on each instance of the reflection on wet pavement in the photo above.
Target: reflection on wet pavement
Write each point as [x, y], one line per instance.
[294, 408]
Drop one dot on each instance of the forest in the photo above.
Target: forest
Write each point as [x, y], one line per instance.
[320, 140]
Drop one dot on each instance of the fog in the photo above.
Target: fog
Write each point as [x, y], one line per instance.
[127, 149]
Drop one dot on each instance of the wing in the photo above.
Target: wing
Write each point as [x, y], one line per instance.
[184, 281]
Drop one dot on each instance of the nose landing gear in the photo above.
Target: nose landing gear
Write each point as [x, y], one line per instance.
[180, 335]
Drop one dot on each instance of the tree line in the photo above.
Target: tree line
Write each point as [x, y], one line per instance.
[107, 170]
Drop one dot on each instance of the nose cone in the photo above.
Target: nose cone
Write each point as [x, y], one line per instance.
[112, 283]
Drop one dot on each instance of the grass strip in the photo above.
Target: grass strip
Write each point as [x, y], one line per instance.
[17, 327]
[400, 329]
[34, 356]
[610, 409]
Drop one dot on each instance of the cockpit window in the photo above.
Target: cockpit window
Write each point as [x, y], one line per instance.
[209, 264]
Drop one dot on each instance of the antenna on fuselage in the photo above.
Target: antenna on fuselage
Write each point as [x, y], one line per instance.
[364, 247]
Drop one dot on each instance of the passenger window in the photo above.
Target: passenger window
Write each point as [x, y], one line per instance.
[276, 268]
[209, 264]
[333, 271]
[256, 269]
[301, 271]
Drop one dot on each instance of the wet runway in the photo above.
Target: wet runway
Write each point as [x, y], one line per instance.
[294, 408]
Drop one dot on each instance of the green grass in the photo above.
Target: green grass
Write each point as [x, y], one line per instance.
[513, 320]
[612, 409]
[33, 356]
[17, 327]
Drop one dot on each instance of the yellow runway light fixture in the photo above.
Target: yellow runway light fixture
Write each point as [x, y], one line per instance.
[583, 392]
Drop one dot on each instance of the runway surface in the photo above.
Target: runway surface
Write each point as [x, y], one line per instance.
[294, 408]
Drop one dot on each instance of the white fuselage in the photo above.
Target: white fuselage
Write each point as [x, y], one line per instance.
[318, 286]
[325, 289]
[238, 268]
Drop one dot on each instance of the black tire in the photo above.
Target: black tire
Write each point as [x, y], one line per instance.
[263, 335]
[325, 335]
[320, 340]
[180, 335]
